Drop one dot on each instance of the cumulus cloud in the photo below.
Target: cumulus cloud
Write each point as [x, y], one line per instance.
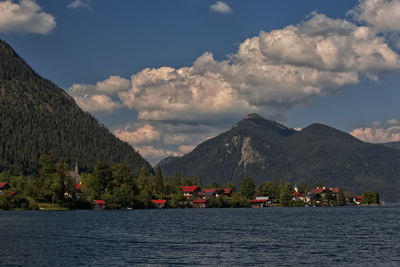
[151, 152]
[79, 4]
[221, 7]
[270, 74]
[97, 103]
[145, 134]
[379, 132]
[26, 16]
[383, 15]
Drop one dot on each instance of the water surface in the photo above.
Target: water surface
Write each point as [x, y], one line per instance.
[355, 236]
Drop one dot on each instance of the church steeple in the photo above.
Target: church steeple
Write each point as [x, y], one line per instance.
[76, 167]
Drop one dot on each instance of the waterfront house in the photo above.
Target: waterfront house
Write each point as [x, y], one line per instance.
[227, 192]
[159, 203]
[190, 192]
[200, 203]
[98, 204]
[258, 203]
[211, 192]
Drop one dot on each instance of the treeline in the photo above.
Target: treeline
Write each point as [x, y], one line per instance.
[120, 189]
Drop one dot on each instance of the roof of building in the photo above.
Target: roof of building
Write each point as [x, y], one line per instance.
[99, 201]
[191, 188]
[159, 201]
[358, 198]
[227, 191]
[3, 185]
[256, 201]
[334, 190]
[317, 190]
[78, 186]
[199, 201]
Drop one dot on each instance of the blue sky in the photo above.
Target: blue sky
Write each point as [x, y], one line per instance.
[166, 75]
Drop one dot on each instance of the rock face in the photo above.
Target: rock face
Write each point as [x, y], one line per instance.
[37, 117]
[267, 150]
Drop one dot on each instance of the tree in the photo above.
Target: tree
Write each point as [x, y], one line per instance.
[231, 186]
[286, 194]
[329, 197]
[159, 188]
[247, 188]
[270, 189]
[341, 199]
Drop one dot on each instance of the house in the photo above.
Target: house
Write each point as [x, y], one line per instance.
[227, 192]
[160, 203]
[190, 192]
[358, 200]
[4, 186]
[98, 204]
[258, 203]
[211, 192]
[200, 203]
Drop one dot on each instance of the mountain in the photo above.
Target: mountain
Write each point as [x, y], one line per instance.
[395, 145]
[37, 117]
[267, 150]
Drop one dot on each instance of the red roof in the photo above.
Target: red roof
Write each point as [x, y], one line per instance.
[227, 190]
[295, 193]
[3, 184]
[101, 202]
[78, 186]
[159, 201]
[334, 190]
[199, 201]
[189, 188]
[256, 201]
[358, 198]
[317, 191]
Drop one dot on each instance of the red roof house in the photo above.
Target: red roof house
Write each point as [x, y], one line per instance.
[160, 203]
[190, 191]
[200, 203]
[4, 186]
[98, 204]
[227, 192]
[258, 203]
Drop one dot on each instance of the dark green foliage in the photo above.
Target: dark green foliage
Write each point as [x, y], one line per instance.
[270, 189]
[370, 198]
[247, 188]
[37, 117]
[262, 149]
[286, 195]
[341, 199]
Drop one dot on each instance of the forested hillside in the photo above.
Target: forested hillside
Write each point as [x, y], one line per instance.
[37, 117]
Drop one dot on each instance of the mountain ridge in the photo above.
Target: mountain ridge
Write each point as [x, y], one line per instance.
[266, 150]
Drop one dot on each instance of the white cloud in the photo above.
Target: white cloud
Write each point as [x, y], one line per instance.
[153, 154]
[26, 16]
[79, 4]
[379, 132]
[97, 103]
[145, 134]
[269, 74]
[221, 7]
[383, 15]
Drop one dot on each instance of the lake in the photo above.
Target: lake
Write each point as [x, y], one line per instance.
[356, 236]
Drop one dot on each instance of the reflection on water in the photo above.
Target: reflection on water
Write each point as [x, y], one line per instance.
[272, 236]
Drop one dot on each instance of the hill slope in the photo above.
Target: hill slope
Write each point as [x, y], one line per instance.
[38, 117]
[267, 150]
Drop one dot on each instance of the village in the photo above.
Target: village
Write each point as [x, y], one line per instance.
[319, 196]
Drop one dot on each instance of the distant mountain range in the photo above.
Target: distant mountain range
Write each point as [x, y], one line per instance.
[267, 150]
[37, 117]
